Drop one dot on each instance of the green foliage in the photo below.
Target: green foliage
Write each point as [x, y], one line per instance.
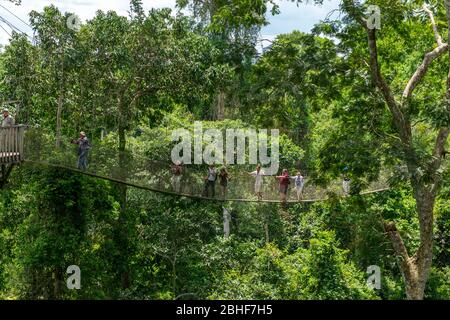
[52, 218]
[438, 287]
[319, 272]
[132, 80]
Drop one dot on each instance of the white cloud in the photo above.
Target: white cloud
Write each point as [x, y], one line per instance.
[85, 9]
[298, 17]
[291, 18]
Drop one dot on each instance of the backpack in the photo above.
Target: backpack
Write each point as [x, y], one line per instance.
[177, 170]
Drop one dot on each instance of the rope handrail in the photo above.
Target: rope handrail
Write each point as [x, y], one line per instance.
[172, 193]
[157, 176]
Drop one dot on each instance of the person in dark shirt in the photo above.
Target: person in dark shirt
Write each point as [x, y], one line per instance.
[224, 177]
[210, 182]
[83, 150]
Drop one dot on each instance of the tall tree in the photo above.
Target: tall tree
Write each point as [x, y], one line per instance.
[56, 42]
[234, 27]
[390, 52]
[20, 76]
[289, 80]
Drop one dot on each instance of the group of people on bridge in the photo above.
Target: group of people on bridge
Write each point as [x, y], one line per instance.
[213, 175]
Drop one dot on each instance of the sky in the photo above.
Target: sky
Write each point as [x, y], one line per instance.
[292, 17]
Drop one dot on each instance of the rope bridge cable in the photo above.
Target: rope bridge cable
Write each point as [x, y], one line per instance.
[172, 193]
[155, 175]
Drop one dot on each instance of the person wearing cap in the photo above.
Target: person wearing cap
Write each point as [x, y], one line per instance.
[83, 149]
[7, 120]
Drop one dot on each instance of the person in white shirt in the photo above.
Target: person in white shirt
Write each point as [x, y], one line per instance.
[210, 182]
[346, 186]
[346, 182]
[299, 182]
[258, 174]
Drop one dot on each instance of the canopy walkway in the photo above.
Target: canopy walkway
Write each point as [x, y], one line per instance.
[155, 175]
[11, 150]
[11, 144]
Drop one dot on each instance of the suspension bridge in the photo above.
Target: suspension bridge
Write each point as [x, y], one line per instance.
[21, 144]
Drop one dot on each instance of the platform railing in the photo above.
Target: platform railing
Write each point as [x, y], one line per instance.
[11, 144]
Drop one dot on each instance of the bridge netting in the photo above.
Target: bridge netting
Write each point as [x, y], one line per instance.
[156, 175]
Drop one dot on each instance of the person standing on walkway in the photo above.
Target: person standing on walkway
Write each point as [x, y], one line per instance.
[284, 181]
[7, 120]
[258, 174]
[83, 150]
[210, 182]
[299, 182]
[346, 182]
[224, 177]
[177, 171]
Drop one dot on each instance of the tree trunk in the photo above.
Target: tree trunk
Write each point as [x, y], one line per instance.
[219, 109]
[58, 118]
[57, 284]
[122, 124]
[425, 200]
[60, 104]
[416, 269]
[266, 232]
[174, 277]
[122, 194]
[122, 160]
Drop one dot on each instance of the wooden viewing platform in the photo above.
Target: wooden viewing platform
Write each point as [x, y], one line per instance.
[11, 144]
[146, 173]
[11, 150]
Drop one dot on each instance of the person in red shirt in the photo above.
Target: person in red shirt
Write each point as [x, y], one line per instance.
[177, 171]
[284, 181]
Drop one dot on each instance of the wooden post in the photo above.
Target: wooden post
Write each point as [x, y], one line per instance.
[226, 223]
